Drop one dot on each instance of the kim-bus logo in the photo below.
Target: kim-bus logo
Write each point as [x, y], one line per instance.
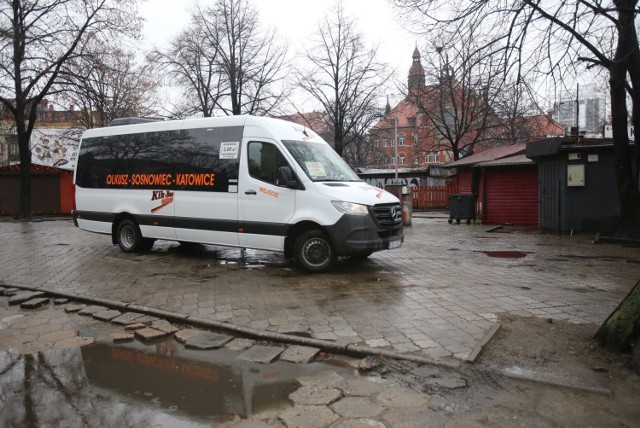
[164, 196]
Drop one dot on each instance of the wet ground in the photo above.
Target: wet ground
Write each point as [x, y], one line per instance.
[441, 297]
[60, 368]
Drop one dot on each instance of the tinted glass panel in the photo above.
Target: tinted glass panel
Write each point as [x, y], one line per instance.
[196, 159]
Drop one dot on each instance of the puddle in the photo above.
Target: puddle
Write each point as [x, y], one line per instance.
[506, 254]
[135, 384]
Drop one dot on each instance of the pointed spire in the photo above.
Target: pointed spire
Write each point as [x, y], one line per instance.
[416, 78]
[387, 108]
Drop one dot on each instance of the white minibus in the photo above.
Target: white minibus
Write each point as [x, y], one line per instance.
[240, 181]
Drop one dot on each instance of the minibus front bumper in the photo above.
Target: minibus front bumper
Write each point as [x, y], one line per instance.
[354, 235]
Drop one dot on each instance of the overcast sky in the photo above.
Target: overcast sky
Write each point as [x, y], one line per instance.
[295, 21]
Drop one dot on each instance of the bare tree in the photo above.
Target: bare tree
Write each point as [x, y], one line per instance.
[457, 102]
[565, 34]
[105, 83]
[191, 63]
[344, 77]
[37, 38]
[226, 62]
[517, 111]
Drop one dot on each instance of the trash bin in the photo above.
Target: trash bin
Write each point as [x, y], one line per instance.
[403, 193]
[462, 207]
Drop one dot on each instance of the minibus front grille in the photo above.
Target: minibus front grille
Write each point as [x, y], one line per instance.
[387, 214]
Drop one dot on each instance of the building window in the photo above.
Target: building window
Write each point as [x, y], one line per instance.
[401, 142]
[384, 142]
[412, 121]
[377, 143]
[431, 157]
[401, 159]
[415, 139]
[13, 149]
[393, 142]
[416, 160]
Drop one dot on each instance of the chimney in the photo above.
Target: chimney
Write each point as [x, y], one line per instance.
[72, 107]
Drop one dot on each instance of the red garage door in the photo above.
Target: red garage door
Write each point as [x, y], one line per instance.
[511, 195]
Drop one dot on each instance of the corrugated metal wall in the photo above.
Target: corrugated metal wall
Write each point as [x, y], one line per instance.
[511, 195]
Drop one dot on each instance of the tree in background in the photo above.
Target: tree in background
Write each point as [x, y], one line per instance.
[37, 39]
[344, 77]
[225, 62]
[457, 100]
[105, 83]
[536, 38]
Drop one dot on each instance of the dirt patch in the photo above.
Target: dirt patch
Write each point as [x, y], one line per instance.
[568, 379]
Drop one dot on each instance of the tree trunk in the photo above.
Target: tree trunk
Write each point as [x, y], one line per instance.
[626, 56]
[622, 328]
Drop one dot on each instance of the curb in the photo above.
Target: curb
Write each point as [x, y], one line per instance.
[348, 349]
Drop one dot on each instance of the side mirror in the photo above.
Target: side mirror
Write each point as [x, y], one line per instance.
[287, 178]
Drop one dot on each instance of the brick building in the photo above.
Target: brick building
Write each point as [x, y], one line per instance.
[415, 141]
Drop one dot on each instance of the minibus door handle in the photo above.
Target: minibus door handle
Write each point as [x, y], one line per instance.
[250, 192]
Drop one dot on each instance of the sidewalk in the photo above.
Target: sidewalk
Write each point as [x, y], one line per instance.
[437, 297]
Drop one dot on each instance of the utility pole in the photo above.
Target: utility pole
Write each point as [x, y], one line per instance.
[395, 145]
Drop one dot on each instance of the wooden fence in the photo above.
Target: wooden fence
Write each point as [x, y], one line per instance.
[432, 197]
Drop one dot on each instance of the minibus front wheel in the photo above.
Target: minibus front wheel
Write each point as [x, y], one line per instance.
[313, 251]
[130, 238]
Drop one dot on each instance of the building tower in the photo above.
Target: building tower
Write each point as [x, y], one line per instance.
[416, 78]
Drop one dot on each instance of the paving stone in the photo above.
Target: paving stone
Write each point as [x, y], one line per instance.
[122, 337]
[74, 342]
[414, 418]
[261, 354]
[150, 333]
[438, 383]
[60, 301]
[147, 319]
[74, 308]
[299, 354]
[359, 423]
[239, 344]
[24, 296]
[309, 417]
[315, 395]
[361, 388]
[357, 407]
[327, 378]
[402, 397]
[135, 326]
[35, 303]
[56, 336]
[127, 318]
[209, 340]
[92, 309]
[187, 333]
[165, 326]
[107, 315]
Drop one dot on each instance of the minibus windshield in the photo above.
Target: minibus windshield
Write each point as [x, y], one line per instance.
[320, 162]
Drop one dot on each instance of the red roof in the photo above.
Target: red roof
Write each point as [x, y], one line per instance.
[488, 155]
[316, 120]
[403, 111]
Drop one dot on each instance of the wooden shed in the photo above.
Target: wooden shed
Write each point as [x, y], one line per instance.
[504, 182]
[52, 190]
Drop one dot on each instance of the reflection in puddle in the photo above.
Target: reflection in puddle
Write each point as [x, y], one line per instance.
[141, 385]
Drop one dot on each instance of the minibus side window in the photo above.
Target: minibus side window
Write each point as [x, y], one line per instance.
[264, 161]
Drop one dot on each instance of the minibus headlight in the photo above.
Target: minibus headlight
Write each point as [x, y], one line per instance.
[350, 208]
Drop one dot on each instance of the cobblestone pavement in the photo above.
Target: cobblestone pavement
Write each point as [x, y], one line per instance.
[436, 296]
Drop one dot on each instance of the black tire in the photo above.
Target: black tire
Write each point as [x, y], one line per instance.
[450, 220]
[313, 251]
[130, 238]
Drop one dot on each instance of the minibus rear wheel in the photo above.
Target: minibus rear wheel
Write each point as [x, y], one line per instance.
[130, 238]
[313, 251]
